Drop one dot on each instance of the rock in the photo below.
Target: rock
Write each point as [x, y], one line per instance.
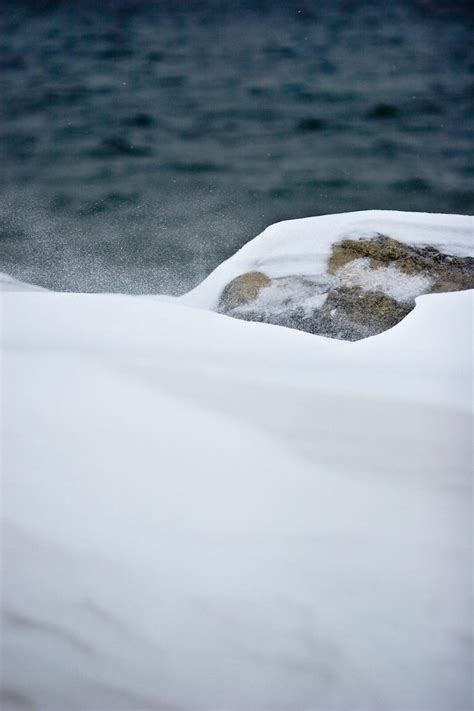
[448, 273]
[370, 286]
[242, 290]
[350, 313]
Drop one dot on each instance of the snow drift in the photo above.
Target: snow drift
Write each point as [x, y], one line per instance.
[206, 513]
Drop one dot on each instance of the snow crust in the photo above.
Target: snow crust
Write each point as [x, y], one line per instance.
[205, 513]
[303, 247]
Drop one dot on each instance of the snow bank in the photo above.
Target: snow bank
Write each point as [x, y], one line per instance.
[8, 283]
[205, 513]
[302, 247]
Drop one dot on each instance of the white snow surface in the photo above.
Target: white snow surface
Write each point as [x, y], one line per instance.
[303, 246]
[204, 513]
[8, 283]
[286, 294]
[391, 280]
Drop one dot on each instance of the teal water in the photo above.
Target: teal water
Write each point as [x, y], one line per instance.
[144, 142]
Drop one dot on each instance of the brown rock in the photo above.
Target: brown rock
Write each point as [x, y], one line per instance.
[242, 290]
[350, 313]
[450, 273]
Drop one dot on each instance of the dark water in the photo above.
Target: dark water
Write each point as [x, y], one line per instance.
[145, 142]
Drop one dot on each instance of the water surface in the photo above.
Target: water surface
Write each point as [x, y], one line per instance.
[144, 142]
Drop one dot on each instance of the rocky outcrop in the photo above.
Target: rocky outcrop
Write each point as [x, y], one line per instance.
[370, 285]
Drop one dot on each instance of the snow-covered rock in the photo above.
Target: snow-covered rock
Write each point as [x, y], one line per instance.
[205, 513]
[345, 276]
